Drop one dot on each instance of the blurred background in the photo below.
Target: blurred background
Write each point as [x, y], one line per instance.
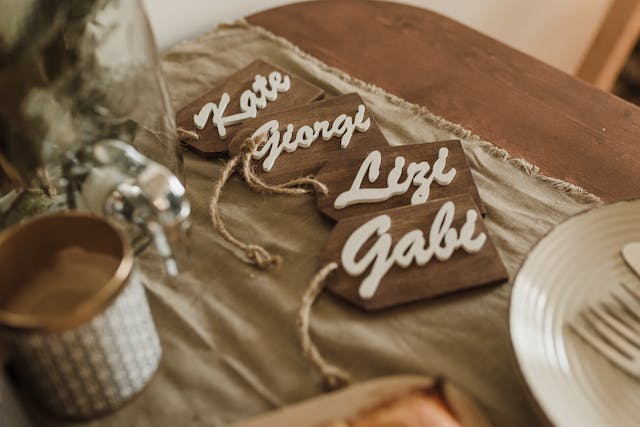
[590, 39]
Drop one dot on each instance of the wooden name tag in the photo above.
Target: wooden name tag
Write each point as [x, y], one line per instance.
[411, 253]
[302, 139]
[250, 92]
[390, 177]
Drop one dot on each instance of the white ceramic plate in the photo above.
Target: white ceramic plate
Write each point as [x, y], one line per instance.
[578, 263]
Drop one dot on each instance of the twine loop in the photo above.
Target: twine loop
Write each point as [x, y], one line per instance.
[332, 376]
[304, 185]
[256, 254]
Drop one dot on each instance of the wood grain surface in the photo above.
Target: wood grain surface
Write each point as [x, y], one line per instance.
[210, 144]
[339, 172]
[569, 129]
[305, 161]
[403, 285]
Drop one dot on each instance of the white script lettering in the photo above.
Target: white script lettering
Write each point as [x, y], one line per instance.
[416, 175]
[263, 90]
[343, 126]
[443, 240]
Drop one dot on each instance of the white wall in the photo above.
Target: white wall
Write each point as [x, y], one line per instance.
[556, 31]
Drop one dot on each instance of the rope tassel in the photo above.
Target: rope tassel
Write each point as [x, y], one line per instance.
[333, 377]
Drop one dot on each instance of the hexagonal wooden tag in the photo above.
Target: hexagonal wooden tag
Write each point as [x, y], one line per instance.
[300, 140]
[411, 253]
[271, 93]
[374, 180]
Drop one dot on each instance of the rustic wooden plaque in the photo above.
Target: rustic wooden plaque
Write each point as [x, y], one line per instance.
[209, 143]
[464, 269]
[302, 161]
[346, 175]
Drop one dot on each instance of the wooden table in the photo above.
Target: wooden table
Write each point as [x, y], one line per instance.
[569, 129]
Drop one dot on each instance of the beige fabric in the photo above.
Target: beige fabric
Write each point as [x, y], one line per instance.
[228, 330]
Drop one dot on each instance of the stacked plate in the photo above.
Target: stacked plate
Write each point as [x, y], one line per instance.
[577, 264]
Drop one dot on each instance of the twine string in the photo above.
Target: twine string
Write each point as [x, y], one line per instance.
[186, 134]
[257, 254]
[332, 376]
[304, 185]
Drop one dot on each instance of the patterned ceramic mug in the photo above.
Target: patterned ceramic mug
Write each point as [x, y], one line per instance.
[75, 314]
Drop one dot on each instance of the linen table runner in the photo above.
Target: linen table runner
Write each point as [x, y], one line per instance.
[228, 330]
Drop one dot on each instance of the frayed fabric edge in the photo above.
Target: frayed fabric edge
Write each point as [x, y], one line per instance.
[574, 191]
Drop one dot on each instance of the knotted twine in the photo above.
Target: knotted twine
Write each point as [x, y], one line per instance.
[333, 377]
[256, 254]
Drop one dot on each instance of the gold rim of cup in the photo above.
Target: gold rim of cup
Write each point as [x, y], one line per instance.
[26, 246]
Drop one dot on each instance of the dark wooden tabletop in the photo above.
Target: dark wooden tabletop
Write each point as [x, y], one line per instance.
[569, 129]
